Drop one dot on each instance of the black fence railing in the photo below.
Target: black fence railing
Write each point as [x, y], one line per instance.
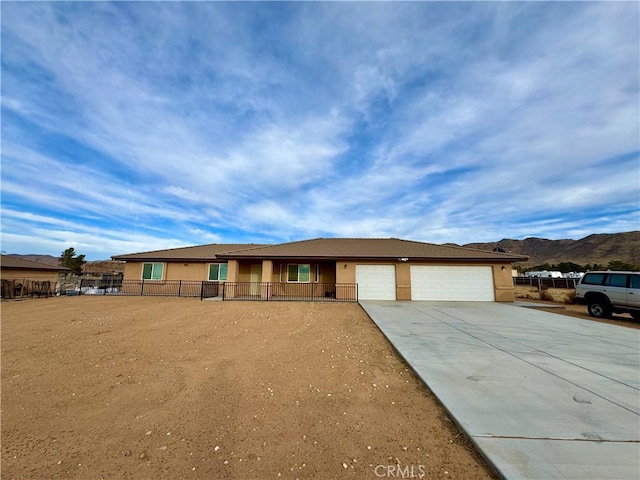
[262, 291]
[549, 282]
[281, 291]
[166, 288]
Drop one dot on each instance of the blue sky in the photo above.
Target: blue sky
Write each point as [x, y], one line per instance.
[138, 126]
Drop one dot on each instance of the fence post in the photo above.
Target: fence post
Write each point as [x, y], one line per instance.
[180, 289]
[201, 289]
[79, 291]
[268, 283]
[142, 288]
[224, 288]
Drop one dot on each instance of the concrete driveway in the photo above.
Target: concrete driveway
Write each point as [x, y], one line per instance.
[541, 395]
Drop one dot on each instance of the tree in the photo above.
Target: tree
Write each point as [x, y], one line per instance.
[623, 266]
[72, 261]
[566, 267]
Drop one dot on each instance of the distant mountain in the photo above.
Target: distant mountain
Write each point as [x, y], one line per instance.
[103, 266]
[597, 248]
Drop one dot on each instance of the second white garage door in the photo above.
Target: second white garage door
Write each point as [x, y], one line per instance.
[376, 282]
[431, 282]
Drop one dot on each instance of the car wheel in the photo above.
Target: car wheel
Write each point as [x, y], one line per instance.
[599, 309]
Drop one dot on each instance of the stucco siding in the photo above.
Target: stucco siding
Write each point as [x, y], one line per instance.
[193, 271]
[33, 275]
[340, 271]
[502, 280]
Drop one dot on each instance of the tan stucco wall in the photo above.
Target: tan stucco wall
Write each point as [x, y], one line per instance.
[197, 271]
[403, 281]
[232, 271]
[503, 282]
[33, 275]
[345, 272]
[327, 270]
[342, 271]
[244, 271]
[132, 271]
[186, 271]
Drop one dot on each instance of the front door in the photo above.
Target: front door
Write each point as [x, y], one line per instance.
[255, 279]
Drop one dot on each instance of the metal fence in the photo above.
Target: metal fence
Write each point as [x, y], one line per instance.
[167, 288]
[280, 291]
[262, 291]
[549, 282]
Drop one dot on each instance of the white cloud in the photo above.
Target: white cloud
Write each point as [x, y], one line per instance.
[425, 121]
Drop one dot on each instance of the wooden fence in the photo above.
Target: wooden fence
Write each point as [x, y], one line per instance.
[25, 288]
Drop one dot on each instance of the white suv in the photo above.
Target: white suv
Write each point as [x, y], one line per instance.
[610, 292]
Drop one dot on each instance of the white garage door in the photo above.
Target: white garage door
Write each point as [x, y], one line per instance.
[452, 283]
[376, 282]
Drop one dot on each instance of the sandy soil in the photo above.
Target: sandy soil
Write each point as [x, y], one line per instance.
[560, 297]
[169, 388]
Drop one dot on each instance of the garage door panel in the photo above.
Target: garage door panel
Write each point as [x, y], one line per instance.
[451, 283]
[376, 282]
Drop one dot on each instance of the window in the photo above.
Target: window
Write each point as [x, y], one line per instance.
[152, 271]
[299, 273]
[617, 280]
[217, 272]
[593, 279]
[635, 281]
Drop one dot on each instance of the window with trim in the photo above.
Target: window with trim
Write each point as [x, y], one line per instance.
[152, 271]
[299, 273]
[217, 272]
[617, 280]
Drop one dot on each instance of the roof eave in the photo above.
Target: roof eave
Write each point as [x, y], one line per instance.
[164, 259]
[374, 257]
[48, 269]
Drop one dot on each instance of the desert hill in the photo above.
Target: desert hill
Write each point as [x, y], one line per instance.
[598, 248]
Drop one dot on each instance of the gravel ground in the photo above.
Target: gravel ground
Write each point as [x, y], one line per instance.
[558, 305]
[170, 388]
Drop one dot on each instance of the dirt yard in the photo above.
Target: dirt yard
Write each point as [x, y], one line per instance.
[561, 297]
[170, 388]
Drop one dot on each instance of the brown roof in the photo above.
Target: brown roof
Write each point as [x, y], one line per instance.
[199, 252]
[16, 263]
[387, 248]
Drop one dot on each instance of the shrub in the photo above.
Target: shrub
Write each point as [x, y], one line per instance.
[569, 298]
[546, 295]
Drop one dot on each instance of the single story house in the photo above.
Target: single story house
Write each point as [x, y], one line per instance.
[198, 263]
[24, 273]
[16, 268]
[379, 268]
